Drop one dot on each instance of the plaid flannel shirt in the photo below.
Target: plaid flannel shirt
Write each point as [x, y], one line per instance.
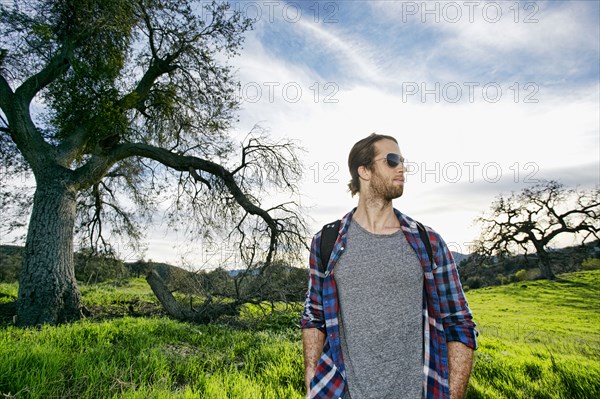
[446, 315]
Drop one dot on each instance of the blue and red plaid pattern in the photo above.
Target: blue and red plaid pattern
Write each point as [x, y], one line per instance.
[446, 314]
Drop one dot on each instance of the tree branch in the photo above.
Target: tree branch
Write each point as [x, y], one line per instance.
[57, 66]
[98, 166]
[16, 108]
[531, 219]
[136, 98]
[71, 146]
[199, 178]
[6, 94]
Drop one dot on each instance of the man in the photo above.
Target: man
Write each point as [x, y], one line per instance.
[382, 320]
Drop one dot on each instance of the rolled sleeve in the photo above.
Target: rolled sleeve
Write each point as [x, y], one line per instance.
[312, 314]
[456, 316]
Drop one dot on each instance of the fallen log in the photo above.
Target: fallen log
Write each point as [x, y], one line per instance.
[206, 313]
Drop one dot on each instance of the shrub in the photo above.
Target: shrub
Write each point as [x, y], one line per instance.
[10, 267]
[521, 275]
[590, 264]
[474, 282]
[501, 279]
[91, 267]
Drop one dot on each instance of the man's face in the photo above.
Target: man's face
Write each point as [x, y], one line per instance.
[386, 182]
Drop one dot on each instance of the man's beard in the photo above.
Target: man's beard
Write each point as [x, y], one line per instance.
[384, 190]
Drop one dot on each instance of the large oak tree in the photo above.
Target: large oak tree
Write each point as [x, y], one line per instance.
[112, 100]
[529, 221]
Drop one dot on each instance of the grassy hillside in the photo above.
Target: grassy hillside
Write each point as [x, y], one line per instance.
[538, 340]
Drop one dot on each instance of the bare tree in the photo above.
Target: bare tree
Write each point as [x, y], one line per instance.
[105, 100]
[534, 217]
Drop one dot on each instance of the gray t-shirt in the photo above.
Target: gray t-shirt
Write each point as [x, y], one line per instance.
[380, 289]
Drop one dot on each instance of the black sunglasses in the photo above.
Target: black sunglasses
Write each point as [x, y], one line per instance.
[392, 159]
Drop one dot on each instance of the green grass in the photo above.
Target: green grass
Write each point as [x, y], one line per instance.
[537, 340]
[148, 357]
[8, 292]
[120, 298]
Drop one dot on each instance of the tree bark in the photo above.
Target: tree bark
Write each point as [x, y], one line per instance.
[48, 291]
[544, 264]
[166, 298]
[207, 312]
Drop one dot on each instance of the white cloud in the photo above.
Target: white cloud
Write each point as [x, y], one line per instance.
[519, 138]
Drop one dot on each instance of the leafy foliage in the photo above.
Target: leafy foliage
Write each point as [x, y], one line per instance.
[185, 101]
[590, 264]
[134, 103]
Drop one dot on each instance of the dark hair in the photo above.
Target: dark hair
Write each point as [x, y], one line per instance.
[362, 154]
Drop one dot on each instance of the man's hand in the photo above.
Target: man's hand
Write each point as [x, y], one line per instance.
[460, 362]
[313, 340]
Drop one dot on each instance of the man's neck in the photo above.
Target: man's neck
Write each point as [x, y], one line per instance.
[376, 216]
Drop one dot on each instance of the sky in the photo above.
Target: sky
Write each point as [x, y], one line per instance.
[484, 97]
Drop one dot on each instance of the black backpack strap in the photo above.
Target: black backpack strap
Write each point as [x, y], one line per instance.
[329, 235]
[425, 239]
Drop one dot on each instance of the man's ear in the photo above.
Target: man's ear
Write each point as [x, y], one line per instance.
[364, 173]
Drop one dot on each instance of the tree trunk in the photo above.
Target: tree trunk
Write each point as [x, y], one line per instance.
[48, 290]
[544, 264]
[207, 312]
[166, 298]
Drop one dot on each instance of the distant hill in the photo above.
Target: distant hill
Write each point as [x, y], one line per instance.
[89, 268]
[473, 274]
[10, 262]
[141, 268]
[8, 250]
[543, 325]
[458, 257]
[236, 272]
[497, 271]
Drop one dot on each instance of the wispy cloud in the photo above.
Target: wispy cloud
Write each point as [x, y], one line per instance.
[354, 55]
[540, 41]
